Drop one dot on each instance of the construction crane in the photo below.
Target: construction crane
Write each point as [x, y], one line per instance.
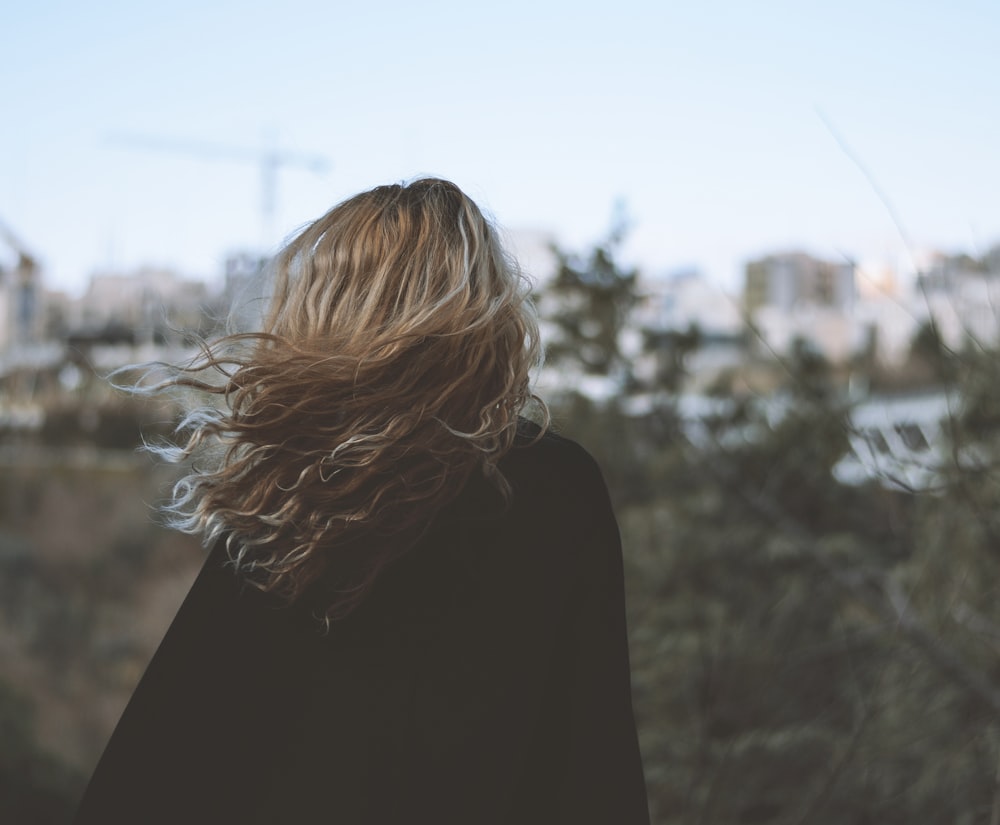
[269, 160]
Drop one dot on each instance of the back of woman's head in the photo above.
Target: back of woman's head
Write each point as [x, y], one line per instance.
[393, 365]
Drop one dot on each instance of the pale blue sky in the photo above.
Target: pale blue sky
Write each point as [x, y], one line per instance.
[702, 117]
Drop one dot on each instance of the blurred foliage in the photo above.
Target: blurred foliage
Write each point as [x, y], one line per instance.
[35, 787]
[88, 582]
[805, 651]
[115, 425]
[598, 293]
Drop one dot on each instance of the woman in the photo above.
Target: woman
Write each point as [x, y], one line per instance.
[413, 608]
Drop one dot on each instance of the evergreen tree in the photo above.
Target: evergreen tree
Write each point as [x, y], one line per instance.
[593, 295]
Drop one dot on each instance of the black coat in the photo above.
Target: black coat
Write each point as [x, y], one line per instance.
[485, 679]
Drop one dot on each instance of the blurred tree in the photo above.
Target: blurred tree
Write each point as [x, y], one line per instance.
[670, 349]
[35, 788]
[593, 294]
[930, 356]
[803, 651]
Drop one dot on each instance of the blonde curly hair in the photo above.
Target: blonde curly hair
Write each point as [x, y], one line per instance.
[392, 366]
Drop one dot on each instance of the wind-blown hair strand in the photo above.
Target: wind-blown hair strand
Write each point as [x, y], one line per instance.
[392, 366]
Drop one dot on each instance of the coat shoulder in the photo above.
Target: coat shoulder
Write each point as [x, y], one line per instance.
[551, 456]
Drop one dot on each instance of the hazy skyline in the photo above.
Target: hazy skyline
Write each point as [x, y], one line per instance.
[702, 118]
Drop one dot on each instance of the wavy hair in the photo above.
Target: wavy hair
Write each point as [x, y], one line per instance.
[393, 365]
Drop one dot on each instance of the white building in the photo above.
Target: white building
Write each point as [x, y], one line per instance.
[20, 295]
[960, 294]
[899, 441]
[963, 297]
[793, 295]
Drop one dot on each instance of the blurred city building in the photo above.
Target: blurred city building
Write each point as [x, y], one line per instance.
[792, 281]
[956, 295]
[684, 302]
[962, 296]
[21, 311]
[147, 305]
[794, 296]
[846, 312]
